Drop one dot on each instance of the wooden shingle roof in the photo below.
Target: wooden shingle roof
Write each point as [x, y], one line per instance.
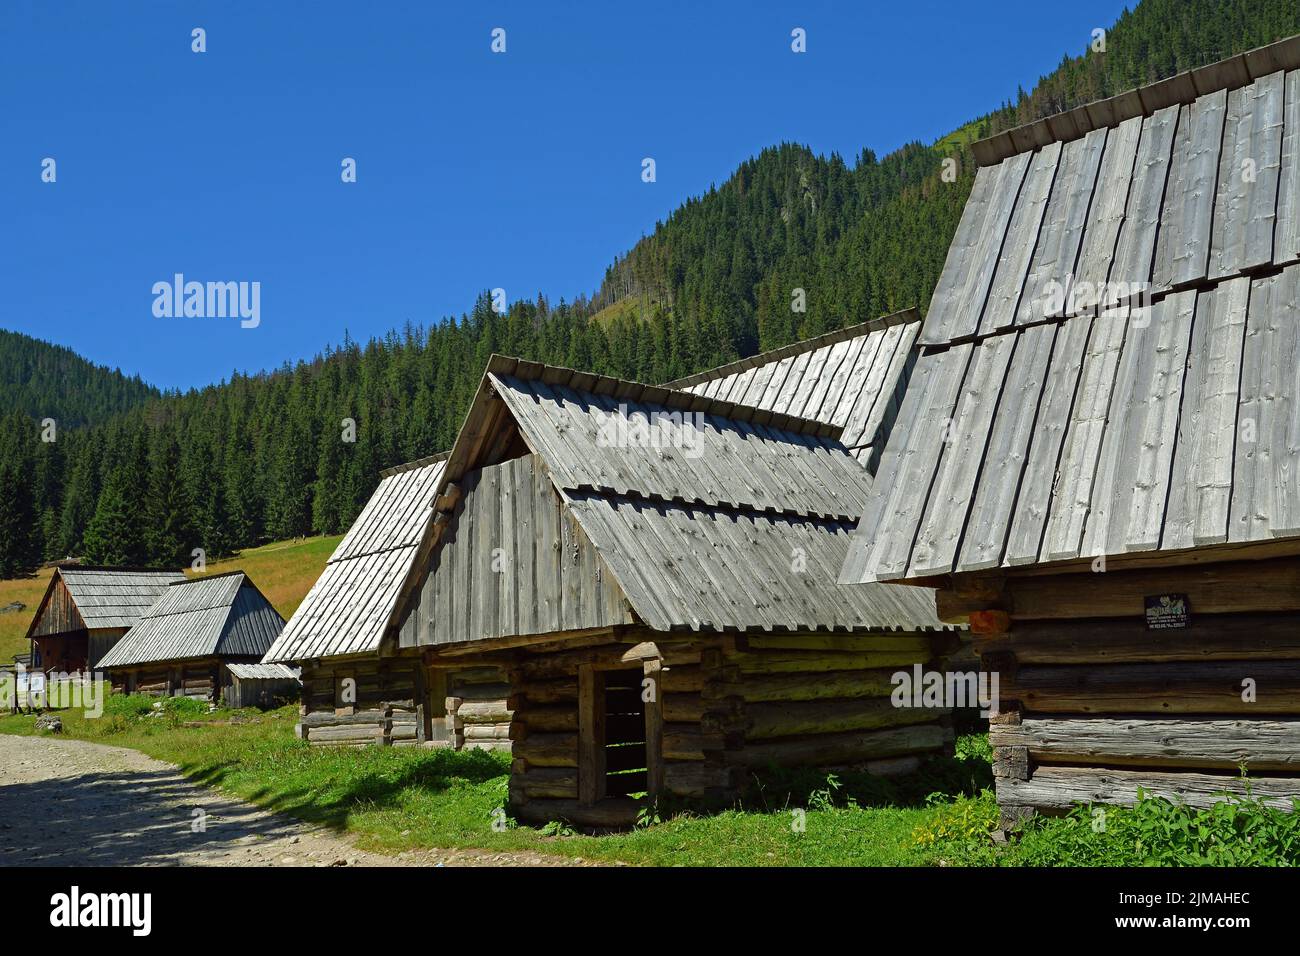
[1111, 361]
[852, 378]
[219, 616]
[108, 598]
[351, 604]
[728, 518]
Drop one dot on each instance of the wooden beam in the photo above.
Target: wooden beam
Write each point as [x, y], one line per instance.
[1217, 744]
[1060, 788]
[1213, 589]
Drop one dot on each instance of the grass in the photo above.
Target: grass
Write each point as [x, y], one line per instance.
[283, 571]
[394, 799]
[404, 798]
[13, 626]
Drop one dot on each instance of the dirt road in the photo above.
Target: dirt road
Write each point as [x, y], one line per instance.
[68, 802]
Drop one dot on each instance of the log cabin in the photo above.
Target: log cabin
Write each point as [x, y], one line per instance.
[86, 610]
[355, 691]
[1104, 421]
[650, 571]
[358, 689]
[184, 644]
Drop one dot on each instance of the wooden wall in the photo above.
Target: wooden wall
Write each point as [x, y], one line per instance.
[495, 573]
[478, 712]
[58, 615]
[721, 708]
[203, 679]
[390, 707]
[1094, 704]
[250, 692]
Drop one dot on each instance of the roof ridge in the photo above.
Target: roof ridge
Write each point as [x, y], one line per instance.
[412, 465]
[901, 317]
[1226, 74]
[110, 569]
[209, 577]
[675, 399]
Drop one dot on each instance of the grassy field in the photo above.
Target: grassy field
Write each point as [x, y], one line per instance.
[284, 571]
[400, 798]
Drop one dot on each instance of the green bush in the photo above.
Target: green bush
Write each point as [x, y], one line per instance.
[1237, 831]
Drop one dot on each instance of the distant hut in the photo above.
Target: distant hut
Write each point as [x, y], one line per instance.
[261, 685]
[86, 610]
[183, 645]
[351, 693]
[1104, 483]
[652, 572]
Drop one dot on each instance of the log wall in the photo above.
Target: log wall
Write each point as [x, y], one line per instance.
[204, 679]
[478, 712]
[390, 706]
[721, 708]
[1095, 705]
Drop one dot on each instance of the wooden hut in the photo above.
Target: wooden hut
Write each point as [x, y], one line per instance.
[262, 685]
[652, 572]
[352, 694]
[1108, 477]
[86, 610]
[183, 644]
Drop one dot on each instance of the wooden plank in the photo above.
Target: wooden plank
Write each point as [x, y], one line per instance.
[1105, 216]
[888, 390]
[940, 531]
[1245, 207]
[1021, 242]
[1063, 787]
[1201, 480]
[1158, 410]
[1183, 250]
[882, 543]
[591, 734]
[1266, 469]
[1077, 470]
[1098, 641]
[1221, 744]
[963, 287]
[1130, 272]
[1008, 451]
[1238, 586]
[1137, 443]
[1286, 244]
[1061, 237]
[1050, 426]
[1201, 687]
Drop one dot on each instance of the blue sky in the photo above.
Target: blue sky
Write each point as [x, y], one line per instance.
[475, 170]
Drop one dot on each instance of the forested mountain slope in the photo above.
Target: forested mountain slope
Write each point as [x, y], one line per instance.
[264, 457]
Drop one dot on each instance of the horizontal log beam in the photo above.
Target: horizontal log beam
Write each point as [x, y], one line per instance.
[1246, 586]
[797, 718]
[1219, 744]
[837, 749]
[1212, 687]
[1059, 788]
[1209, 638]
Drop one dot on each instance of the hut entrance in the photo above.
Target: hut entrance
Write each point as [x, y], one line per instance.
[623, 719]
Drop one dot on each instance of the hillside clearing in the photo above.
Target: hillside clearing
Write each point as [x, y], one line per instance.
[284, 571]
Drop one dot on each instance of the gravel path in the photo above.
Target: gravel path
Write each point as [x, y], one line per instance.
[69, 802]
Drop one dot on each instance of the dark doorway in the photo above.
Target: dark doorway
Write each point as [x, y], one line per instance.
[625, 735]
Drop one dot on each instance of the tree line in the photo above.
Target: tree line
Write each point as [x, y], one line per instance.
[793, 244]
